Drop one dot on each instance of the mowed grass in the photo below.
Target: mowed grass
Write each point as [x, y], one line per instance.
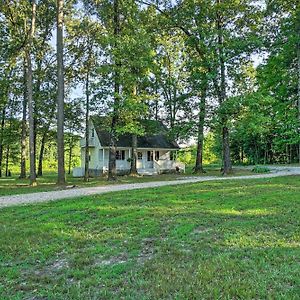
[214, 240]
[13, 185]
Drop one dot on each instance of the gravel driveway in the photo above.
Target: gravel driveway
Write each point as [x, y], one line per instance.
[77, 192]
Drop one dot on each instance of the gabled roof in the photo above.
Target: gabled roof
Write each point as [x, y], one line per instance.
[156, 135]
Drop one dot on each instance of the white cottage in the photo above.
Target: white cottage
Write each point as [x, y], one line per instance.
[156, 152]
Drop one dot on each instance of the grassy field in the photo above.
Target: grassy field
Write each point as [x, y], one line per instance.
[14, 185]
[214, 240]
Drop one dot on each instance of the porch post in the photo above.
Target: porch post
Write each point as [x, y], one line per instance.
[129, 156]
[103, 156]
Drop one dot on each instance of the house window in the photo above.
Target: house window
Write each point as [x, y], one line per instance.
[140, 155]
[120, 155]
[156, 155]
[93, 133]
[149, 155]
[101, 154]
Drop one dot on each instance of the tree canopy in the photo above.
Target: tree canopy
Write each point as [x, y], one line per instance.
[221, 75]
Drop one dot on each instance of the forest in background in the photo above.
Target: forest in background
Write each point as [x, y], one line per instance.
[225, 74]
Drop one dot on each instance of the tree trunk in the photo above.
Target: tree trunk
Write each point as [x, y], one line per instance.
[2, 137]
[70, 158]
[37, 90]
[60, 95]
[24, 129]
[31, 121]
[7, 161]
[112, 165]
[133, 167]
[30, 98]
[227, 167]
[37, 87]
[202, 111]
[112, 169]
[271, 153]
[7, 171]
[265, 154]
[87, 130]
[256, 154]
[298, 65]
[242, 154]
[42, 151]
[133, 162]
[35, 133]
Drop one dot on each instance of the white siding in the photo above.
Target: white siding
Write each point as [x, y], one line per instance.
[97, 162]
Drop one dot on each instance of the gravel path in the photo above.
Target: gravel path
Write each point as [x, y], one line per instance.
[77, 192]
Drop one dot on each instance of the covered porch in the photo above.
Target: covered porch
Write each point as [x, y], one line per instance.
[149, 161]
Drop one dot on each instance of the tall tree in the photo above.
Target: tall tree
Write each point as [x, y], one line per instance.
[222, 94]
[200, 137]
[134, 144]
[24, 127]
[112, 165]
[172, 74]
[85, 32]
[87, 128]
[29, 82]
[60, 94]
[298, 62]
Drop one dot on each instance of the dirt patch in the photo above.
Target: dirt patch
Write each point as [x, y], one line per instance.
[59, 264]
[49, 270]
[147, 253]
[148, 250]
[185, 248]
[201, 229]
[114, 260]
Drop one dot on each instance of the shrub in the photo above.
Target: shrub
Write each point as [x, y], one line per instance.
[259, 169]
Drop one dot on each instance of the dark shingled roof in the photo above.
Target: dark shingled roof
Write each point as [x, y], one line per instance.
[155, 137]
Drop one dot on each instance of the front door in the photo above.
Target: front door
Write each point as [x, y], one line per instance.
[150, 163]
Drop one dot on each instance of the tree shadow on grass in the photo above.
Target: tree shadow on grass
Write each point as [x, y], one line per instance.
[197, 242]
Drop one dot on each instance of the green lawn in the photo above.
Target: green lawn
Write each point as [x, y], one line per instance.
[14, 185]
[214, 240]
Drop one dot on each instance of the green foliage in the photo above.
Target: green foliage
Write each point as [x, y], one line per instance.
[50, 155]
[210, 152]
[165, 57]
[260, 169]
[266, 127]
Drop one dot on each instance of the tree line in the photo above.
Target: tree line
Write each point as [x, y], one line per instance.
[231, 68]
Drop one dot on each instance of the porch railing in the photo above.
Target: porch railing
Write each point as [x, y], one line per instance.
[156, 166]
[164, 164]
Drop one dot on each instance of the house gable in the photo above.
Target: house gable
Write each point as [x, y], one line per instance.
[93, 136]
